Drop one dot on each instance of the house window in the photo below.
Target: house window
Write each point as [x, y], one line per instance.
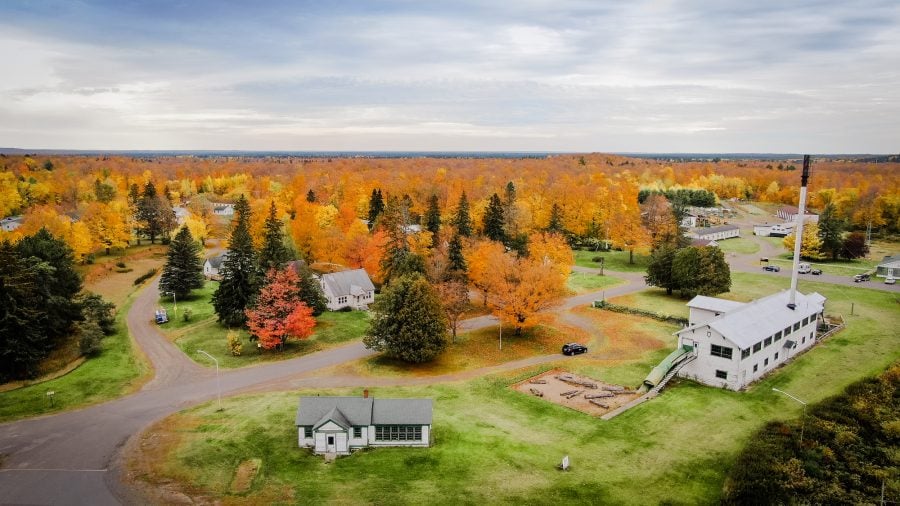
[357, 432]
[721, 374]
[398, 433]
[757, 347]
[755, 367]
[776, 356]
[805, 321]
[745, 353]
[803, 340]
[307, 432]
[720, 351]
[768, 341]
[787, 331]
[766, 363]
[796, 326]
[778, 336]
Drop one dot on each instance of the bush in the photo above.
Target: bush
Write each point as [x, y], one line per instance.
[235, 346]
[597, 259]
[602, 304]
[187, 314]
[89, 336]
[149, 274]
[345, 309]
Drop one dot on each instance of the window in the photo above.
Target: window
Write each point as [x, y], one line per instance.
[778, 336]
[768, 341]
[720, 351]
[757, 347]
[721, 374]
[307, 432]
[745, 353]
[804, 340]
[796, 326]
[755, 367]
[776, 356]
[398, 433]
[357, 432]
[787, 331]
[805, 321]
[766, 363]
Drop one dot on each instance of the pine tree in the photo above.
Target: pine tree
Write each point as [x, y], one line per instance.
[274, 254]
[183, 271]
[309, 288]
[376, 207]
[462, 220]
[433, 220]
[831, 231]
[311, 196]
[396, 245]
[408, 322]
[23, 342]
[456, 259]
[493, 220]
[239, 271]
[556, 220]
[659, 271]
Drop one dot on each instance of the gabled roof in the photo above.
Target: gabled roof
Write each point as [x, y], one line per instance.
[347, 282]
[335, 416]
[402, 411]
[889, 260]
[754, 321]
[719, 228]
[216, 261]
[714, 304]
[357, 411]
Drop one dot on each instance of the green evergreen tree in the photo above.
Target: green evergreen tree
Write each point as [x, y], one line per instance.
[659, 271]
[310, 289]
[433, 220]
[408, 322]
[493, 220]
[376, 207]
[183, 271]
[23, 342]
[685, 265]
[714, 275]
[396, 246]
[455, 258]
[831, 232]
[148, 213]
[274, 253]
[556, 220]
[239, 271]
[462, 221]
[311, 196]
[103, 191]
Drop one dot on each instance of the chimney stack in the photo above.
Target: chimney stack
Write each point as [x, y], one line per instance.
[366, 393]
[798, 232]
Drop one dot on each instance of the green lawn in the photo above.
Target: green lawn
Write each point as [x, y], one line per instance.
[656, 300]
[738, 245]
[583, 282]
[113, 373]
[838, 268]
[613, 260]
[203, 332]
[494, 445]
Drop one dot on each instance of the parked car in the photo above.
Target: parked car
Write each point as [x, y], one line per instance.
[860, 277]
[804, 268]
[573, 349]
[161, 316]
[815, 272]
[890, 280]
[773, 268]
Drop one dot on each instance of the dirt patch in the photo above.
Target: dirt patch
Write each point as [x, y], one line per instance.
[244, 476]
[580, 393]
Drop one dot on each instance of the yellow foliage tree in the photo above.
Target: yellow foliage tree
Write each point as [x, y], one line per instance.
[10, 200]
[520, 287]
[811, 247]
[107, 227]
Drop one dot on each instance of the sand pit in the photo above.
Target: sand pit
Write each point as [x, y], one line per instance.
[577, 392]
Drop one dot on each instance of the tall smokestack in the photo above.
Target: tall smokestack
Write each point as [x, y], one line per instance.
[798, 231]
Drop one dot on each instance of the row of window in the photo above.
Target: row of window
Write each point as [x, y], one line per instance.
[776, 337]
[342, 300]
[398, 433]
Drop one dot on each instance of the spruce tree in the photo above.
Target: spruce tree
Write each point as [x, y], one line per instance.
[396, 246]
[23, 340]
[311, 196]
[376, 207]
[408, 322]
[309, 288]
[831, 232]
[455, 258]
[274, 254]
[493, 220]
[462, 220]
[240, 277]
[183, 271]
[556, 220]
[148, 213]
[433, 220]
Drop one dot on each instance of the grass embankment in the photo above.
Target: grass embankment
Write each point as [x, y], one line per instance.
[496, 445]
[741, 245]
[585, 282]
[203, 332]
[613, 260]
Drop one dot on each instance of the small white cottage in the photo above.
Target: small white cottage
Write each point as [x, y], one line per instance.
[340, 425]
[737, 343]
[213, 264]
[351, 288]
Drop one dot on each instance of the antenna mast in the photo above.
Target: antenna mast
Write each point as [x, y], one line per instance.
[798, 231]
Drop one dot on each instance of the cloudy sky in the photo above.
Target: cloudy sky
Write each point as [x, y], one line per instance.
[559, 75]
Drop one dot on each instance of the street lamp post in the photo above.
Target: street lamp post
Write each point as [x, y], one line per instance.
[802, 417]
[174, 300]
[218, 385]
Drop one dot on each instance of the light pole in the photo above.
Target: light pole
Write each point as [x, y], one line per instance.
[802, 417]
[174, 300]
[218, 386]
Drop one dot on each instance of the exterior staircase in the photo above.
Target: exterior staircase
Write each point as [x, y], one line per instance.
[671, 374]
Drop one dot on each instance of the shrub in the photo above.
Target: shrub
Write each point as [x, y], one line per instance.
[235, 346]
[346, 309]
[149, 274]
[187, 314]
[597, 259]
[89, 336]
[601, 304]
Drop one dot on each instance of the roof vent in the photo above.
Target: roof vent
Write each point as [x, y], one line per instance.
[792, 306]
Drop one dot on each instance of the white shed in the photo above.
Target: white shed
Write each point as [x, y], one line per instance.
[716, 233]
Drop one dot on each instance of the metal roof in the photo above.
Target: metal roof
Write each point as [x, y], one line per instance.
[357, 411]
[402, 411]
[714, 304]
[719, 228]
[343, 282]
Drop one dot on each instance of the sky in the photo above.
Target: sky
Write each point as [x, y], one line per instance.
[761, 76]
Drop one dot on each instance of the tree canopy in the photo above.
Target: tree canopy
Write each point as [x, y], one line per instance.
[183, 271]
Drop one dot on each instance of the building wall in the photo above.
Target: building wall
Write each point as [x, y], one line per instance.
[699, 315]
[320, 438]
[704, 368]
[885, 270]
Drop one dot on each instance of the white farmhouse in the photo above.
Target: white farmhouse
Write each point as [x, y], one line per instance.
[716, 233]
[213, 264]
[737, 343]
[351, 288]
[339, 425]
[11, 223]
[220, 209]
[889, 266]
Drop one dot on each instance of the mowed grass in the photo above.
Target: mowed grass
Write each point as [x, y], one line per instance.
[847, 268]
[116, 371]
[203, 332]
[585, 282]
[613, 260]
[494, 445]
[738, 245]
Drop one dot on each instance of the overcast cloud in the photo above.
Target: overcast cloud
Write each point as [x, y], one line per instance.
[688, 76]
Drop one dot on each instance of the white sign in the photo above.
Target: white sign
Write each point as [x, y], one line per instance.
[565, 463]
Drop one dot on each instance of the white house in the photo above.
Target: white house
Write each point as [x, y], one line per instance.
[213, 264]
[340, 425]
[689, 220]
[890, 266]
[223, 209]
[181, 214]
[11, 223]
[737, 343]
[351, 288]
[716, 233]
[789, 213]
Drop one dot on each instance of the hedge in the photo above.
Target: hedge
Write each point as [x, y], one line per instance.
[602, 304]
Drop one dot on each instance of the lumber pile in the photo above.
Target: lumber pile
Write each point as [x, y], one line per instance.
[535, 391]
[571, 393]
[599, 395]
[603, 405]
[574, 380]
[614, 388]
[538, 382]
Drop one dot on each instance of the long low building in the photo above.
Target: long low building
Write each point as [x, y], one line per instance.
[737, 343]
[716, 233]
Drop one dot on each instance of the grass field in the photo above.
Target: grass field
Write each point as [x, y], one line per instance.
[656, 300]
[583, 282]
[847, 268]
[738, 245]
[613, 260]
[203, 332]
[114, 372]
[494, 445]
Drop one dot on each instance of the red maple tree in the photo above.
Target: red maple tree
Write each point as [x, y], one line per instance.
[279, 312]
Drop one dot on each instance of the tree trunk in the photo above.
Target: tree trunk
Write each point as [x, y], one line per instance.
[631, 256]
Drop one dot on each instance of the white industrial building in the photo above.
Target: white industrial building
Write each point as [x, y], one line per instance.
[339, 425]
[737, 343]
[716, 233]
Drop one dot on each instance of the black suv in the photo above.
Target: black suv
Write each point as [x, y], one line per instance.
[773, 268]
[573, 349]
[860, 277]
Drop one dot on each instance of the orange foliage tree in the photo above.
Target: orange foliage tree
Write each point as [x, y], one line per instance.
[520, 287]
[279, 312]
